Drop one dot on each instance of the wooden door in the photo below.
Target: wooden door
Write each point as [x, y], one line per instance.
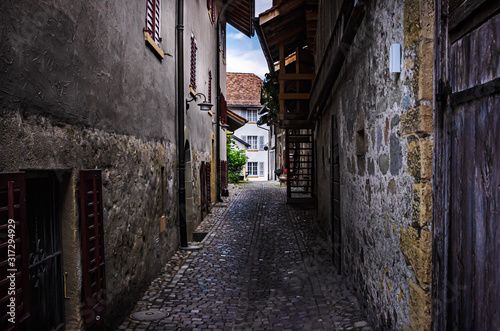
[466, 234]
[335, 197]
[45, 251]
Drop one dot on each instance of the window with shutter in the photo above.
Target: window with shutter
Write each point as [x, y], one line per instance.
[14, 251]
[92, 237]
[153, 23]
[192, 76]
[261, 143]
[261, 169]
[211, 5]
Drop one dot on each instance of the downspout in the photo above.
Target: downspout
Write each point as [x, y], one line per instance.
[218, 115]
[181, 162]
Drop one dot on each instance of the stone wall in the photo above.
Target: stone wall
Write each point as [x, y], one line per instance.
[137, 244]
[385, 129]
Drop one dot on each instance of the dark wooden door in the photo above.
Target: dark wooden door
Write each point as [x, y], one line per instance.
[45, 252]
[466, 260]
[335, 197]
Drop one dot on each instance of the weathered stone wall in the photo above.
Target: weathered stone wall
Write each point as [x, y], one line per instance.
[136, 243]
[385, 129]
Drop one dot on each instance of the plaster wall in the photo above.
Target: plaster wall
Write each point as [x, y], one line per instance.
[80, 89]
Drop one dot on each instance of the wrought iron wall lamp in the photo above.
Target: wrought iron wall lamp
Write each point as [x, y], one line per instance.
[204, 106]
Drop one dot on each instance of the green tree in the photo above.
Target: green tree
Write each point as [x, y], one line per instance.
[236, 159]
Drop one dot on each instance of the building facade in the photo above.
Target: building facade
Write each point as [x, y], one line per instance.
[399, 97]
[89, 168]
[243, 93]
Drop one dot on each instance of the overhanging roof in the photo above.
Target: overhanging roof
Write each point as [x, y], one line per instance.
[239, 14]
[235, 121]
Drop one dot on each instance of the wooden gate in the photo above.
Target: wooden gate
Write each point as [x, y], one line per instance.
[205, 189]
[466, 244]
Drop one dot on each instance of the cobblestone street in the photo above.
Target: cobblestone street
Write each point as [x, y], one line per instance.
[261, 267]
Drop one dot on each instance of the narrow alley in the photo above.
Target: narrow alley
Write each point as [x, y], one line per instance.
[261, 267]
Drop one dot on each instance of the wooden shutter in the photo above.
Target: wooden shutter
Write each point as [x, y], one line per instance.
[244, 138]
[153, 19]
[209, 183]
[244, 114]
[92, 236]
[261, 143]
[261, 169]
[192, 73]
[13, 207]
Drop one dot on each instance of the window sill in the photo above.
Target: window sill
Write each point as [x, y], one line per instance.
[153, 46]
[252, 150]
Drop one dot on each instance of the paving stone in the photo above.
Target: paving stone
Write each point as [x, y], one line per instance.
[263, 266]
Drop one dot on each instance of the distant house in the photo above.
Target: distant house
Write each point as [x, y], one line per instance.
[243, 98]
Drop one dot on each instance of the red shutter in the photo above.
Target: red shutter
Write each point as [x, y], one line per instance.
[13, 207]
[153, 19]
[210, 86]
[92, 236]
[192, 77]
[209, 183]
[223, 108]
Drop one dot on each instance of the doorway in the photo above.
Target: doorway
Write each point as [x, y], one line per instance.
[335, 196]
[45, 251]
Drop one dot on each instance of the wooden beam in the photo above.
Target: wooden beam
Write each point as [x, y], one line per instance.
[282, 82]
[294, 96]
[296, 76]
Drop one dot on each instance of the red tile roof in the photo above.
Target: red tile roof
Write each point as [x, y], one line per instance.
[243, 89]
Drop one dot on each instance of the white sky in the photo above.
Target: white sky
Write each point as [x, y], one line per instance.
[244, 54]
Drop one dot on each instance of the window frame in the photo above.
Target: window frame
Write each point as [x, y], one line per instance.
[251, 166]
[252, 145]
[252, 115]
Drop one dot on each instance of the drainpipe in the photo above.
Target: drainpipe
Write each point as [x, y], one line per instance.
[181, 162]
[217, 133]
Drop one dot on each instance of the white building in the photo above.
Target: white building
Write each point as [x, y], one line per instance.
[243, 98]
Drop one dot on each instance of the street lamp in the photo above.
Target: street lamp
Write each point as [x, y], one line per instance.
[204, 106]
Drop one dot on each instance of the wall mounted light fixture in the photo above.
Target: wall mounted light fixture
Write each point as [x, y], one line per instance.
[395, 58]
[204, 106]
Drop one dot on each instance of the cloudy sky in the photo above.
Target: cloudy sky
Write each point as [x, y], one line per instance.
[244, 54]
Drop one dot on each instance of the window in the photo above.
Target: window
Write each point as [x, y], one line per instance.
[252, 169]
[252, 115]
[192, 77]
[252, 140]
[153, 19]
[152, 29]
